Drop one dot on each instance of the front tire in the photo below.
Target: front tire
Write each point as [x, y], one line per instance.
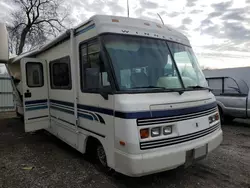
[102, 159]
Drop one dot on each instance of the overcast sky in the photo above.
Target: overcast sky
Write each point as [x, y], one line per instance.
[219, 31]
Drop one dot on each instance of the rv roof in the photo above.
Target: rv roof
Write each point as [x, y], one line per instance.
[117, 24]
[134, 26]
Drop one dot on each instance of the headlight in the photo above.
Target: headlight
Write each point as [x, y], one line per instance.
[214, 118]
[156, 131]
[167, 130]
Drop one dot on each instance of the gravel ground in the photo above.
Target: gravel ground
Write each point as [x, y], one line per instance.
[41, 160]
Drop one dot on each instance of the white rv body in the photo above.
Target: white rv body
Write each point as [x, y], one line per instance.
[116, 119]
[4, 47]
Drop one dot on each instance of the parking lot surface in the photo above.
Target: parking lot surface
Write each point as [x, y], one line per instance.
[42, 160]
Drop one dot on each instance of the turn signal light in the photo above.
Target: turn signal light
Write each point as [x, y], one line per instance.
[214, 118]
[144, 133]
[122, 143]
[217, 116]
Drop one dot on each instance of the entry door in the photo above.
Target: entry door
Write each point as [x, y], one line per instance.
[35, 94]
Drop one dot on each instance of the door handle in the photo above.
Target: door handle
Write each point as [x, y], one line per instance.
[27, 94]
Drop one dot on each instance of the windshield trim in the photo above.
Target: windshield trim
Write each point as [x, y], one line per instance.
[149, 90]
[139, 36]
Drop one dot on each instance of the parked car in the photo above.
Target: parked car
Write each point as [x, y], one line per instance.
[232, 97]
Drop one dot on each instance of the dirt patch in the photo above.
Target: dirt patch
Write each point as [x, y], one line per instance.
[42, 160]
[7, 115]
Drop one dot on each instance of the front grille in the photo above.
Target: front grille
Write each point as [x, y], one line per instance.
[178, 139]
[153, 121]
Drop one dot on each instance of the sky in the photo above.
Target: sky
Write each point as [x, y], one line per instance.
[219, 31]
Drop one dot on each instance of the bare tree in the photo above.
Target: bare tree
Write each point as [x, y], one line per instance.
[34, 22]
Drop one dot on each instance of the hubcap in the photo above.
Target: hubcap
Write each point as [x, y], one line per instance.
[101, 155]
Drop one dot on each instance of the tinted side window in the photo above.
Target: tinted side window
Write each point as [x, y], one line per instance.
[60, 73]
[34, 74]
[93, 73]
[216, 85]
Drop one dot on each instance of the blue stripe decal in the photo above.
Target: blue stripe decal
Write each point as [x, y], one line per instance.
[5, 78]
[134, 115]
[33, 105]
[36, 101]
[164, 113]
[101, 119]
[147, 114]
[61, 109]
[36, 108]
[85, 29]
[69, 108]
[94, 115]
[62, 102]
[183, 111]
[96, 109]
[86, 116]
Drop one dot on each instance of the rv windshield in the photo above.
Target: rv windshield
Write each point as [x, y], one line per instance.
[145, 64]
[188, 66]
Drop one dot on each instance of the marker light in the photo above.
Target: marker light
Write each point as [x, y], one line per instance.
[144, 133]
[122, 143]
[115, 20]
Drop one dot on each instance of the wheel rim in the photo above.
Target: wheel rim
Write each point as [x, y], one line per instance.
[101, 155]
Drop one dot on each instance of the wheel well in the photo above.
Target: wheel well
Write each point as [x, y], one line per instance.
[220, 109]
[91, 145]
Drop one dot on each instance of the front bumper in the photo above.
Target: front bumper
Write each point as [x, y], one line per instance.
[162, 159]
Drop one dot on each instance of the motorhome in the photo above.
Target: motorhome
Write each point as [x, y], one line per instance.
[128, 91]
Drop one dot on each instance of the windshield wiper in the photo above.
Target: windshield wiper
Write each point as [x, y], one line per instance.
[180, 91]
[199, 87]
[151, 87]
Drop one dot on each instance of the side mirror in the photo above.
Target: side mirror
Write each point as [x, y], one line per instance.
[4, 47]
[99, 81]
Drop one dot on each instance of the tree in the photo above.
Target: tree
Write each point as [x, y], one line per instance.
[33, 22]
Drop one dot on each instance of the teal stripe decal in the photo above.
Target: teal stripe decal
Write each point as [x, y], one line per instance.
[62, 110]
[36, 108]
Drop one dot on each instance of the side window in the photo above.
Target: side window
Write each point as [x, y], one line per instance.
[216, 85]
[231, 87]
[60, 73]
[93, 73]
[34, 74]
